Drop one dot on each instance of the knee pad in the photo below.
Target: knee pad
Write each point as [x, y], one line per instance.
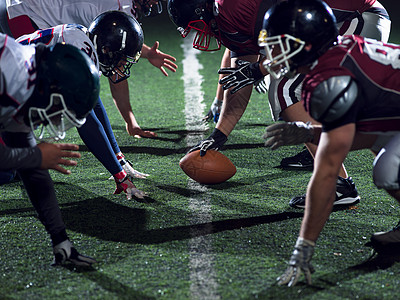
[386, 171]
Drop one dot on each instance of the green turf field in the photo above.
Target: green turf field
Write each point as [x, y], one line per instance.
[188, 241]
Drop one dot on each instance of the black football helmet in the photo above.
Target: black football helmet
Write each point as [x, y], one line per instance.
[147, 8]
[197, 15]
[291, 26]
[66, 89]
[118, 40]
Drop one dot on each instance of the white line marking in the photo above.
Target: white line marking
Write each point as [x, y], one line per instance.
[202, 275]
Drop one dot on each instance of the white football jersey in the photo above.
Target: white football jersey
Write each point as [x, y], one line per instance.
[72, 34]
[49, 13]
[17, 77]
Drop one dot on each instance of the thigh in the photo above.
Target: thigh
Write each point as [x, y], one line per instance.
[283, 93]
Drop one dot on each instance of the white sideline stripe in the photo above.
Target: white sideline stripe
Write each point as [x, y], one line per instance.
[202, 275]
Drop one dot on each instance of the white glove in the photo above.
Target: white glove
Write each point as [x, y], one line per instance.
[299, 263]
[291, 133]
[214, 112]
[65, 252]
[129, 188]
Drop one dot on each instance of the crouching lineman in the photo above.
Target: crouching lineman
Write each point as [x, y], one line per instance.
[352, 88]
[50, 89]
[113, 42]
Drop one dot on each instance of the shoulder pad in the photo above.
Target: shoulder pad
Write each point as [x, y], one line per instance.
[332, 98]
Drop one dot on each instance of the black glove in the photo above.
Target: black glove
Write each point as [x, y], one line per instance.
[215, 141]
[246, 73]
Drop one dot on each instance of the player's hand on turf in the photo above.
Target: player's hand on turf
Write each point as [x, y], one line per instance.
[214, 112]
[127, 186]
[64, 252]
[291, 133]
[138, 132]
[215, 141]
[260, 86]
[161, 60]
[246, 73]
[53, 156]
[299, 263]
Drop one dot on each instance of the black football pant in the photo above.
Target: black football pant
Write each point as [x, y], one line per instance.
[40, 188]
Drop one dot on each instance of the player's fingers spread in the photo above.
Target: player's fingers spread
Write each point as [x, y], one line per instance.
[60, 169]
[307, 274]
[67, 146]
[171, 67]
[294, 277]
[70, 154]
[167, 56]
[67, 162]
[285, 277]
[163, 71]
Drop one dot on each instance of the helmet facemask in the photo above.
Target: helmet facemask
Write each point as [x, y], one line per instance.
[203, 37]
[118, 68]
[280, 50]
[51, 123]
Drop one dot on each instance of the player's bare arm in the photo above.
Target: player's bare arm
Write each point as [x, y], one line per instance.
[120, 94]
[332, 150]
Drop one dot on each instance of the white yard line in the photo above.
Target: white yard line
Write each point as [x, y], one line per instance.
[201, 260]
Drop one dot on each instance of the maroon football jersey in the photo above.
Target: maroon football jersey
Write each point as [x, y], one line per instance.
[240, 22]
[375, 66]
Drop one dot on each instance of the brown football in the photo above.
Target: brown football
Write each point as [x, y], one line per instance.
[212, 168]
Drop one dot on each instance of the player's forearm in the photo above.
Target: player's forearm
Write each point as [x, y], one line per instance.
[120, 94]
[319, 202]
[233, 107]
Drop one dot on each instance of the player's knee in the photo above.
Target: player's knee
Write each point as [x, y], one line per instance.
[386, 169]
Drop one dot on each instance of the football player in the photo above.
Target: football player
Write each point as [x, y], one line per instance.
[49, 90]
[24, 17]
[352, 88]
[230, 23]
[118, 40]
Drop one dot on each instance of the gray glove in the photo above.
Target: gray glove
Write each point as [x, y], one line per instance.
[299, 263]
[291, 133]
[214, 112]
[65, 252]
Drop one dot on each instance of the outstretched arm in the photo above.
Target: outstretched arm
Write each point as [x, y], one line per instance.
[120, 94]
[332, 150]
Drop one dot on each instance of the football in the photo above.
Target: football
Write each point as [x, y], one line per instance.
[212, 168]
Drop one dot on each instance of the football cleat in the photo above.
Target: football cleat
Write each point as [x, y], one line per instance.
[346, 194]
[300, 161]
[385, 238]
